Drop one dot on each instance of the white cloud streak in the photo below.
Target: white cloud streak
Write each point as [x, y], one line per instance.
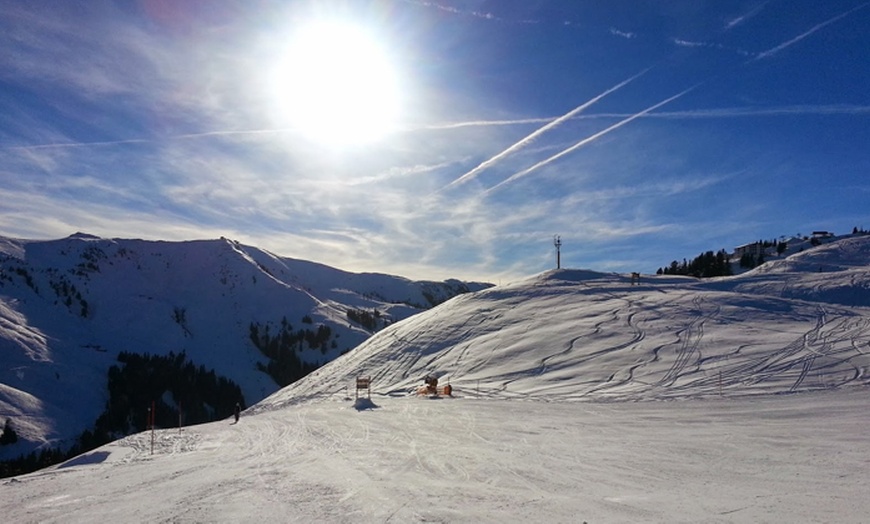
[710, 45]
[530, 138]
[738, 112]
[456, 11]
[589, 140]
[481, 123]
[740, 19]
[725, 112]
[71, 145]
[624, 34]
[774, 50]
[187, 136]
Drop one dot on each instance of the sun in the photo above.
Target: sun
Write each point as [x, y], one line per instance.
[336, 85]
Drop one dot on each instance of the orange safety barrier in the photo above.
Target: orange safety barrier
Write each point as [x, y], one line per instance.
[435, 390]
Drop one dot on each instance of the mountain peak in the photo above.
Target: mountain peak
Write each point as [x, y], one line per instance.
[69, 307]
[83, 236]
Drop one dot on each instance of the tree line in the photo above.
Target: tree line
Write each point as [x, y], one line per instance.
[372, 321]
[705, 265]
[711, 264]
[282, 344]
[180, 392]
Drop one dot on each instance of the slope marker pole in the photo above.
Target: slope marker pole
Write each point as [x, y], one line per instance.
[152, 427]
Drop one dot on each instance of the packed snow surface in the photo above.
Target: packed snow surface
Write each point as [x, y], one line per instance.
[578, 397]
[791, 458]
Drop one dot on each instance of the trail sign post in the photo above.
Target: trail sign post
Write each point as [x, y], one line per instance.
[363, 383]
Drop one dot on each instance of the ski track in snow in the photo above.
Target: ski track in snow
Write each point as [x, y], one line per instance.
[799, 457]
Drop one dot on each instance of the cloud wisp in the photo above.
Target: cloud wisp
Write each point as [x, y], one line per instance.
[774, 50]
[724, 112]
[480, 123]
[538, 132]
[742, 18]
[454, 10]
[628, 35]
[71, 145]
[186, 136]
[709, 45]
[739, 112]
[734, 112]
[589, 140]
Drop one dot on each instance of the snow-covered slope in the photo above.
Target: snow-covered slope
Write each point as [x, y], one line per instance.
[68, 307]
[515, 443]
[770, 459]
[836, 273]
[583, 335]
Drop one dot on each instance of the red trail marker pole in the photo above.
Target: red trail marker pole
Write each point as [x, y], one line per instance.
[152, 427]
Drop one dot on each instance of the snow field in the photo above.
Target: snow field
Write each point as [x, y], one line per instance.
[797, 458]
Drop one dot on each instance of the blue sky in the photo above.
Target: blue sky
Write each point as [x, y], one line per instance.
[438, 139]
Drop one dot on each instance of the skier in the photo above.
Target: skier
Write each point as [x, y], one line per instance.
[238, 412]
[431, 384]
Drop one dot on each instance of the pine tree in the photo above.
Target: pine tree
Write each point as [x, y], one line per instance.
[9, 436]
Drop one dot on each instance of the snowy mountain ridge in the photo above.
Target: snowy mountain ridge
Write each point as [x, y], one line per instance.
[68, 307]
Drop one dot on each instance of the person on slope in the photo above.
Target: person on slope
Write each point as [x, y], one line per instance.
[238, 412]
[431, 384]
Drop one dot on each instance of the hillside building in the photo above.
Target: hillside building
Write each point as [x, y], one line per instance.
[755, 249]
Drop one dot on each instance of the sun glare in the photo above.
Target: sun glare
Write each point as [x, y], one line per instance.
[335, 85]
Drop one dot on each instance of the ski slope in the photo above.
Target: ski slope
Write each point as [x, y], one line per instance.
[793, 458]
[579, 397]
[583, 335]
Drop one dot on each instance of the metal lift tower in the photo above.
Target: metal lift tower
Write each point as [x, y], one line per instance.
[557, 241]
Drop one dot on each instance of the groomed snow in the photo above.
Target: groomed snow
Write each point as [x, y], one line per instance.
[789, 458]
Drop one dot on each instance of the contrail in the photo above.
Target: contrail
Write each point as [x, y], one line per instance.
[68, 145]
[567, 116]
[780, 47]
[189, 136]
[735, 112]
[244, 132]
[740, 19]
[589, 139]
[479, 123]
